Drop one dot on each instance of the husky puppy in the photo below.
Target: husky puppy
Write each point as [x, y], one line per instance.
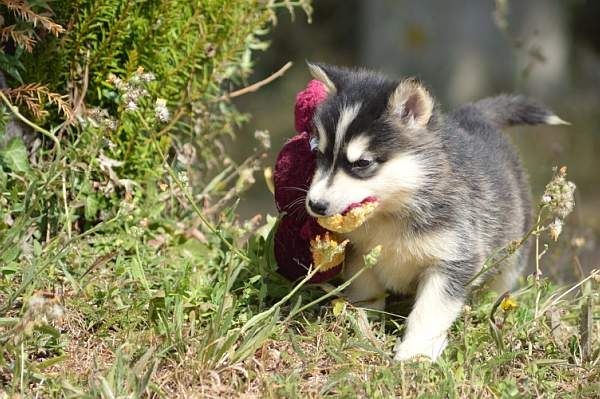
[451, 190]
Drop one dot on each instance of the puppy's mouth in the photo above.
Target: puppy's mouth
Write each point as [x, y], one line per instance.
[353, 216]
[354, 205]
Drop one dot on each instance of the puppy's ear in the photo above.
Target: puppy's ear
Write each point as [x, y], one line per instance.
[411, 103]
[326, 74]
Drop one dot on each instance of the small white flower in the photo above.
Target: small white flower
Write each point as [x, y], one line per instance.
[546, 199]
[111, 124]
[131, 106]
[183, 178]
[109, 143]
[116, 81]
[147, 77]
[161, 110]
[135, 80]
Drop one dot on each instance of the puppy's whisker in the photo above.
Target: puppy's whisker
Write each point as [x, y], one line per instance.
[292, 205]
[297, 201]
[304, 190]
[295, 207]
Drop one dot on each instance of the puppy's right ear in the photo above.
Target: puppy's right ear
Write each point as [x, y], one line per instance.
[411, 103]
[325, 74]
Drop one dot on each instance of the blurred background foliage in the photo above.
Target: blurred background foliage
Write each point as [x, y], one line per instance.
[463, 51]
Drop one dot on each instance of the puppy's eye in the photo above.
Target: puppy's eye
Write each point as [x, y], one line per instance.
[313, 143]
[362, 163]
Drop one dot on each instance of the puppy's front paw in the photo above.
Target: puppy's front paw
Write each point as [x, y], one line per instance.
[414, 348]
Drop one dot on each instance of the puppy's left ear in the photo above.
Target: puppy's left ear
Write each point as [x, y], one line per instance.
[326, 74]
[411, 103]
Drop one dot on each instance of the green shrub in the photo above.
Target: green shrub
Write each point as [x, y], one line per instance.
[113, 183]
[137, 80]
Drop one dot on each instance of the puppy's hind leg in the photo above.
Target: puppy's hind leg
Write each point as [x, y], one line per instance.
[438, 303]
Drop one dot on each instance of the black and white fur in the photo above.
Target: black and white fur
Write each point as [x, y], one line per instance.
[450, 186]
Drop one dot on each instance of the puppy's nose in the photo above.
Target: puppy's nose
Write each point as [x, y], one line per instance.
[319, 207]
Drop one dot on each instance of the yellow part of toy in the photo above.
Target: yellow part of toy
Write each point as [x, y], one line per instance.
[354, 218]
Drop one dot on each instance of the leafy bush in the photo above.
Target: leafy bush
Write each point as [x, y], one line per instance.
[142, 80]
[113, 118]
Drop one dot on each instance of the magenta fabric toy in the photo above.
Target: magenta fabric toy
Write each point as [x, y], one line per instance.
[293, 173]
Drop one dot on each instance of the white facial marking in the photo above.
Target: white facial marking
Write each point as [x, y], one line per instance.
[347, 115]
[391, 184]
[402, 173]
[357, 147]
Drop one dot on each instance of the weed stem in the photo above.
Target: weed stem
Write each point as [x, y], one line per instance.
[15, 110]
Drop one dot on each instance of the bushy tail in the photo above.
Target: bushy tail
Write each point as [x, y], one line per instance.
[510, 110]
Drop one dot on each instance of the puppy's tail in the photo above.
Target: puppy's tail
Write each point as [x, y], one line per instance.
[511, 110]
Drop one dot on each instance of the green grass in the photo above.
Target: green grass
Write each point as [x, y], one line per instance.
[151, 310]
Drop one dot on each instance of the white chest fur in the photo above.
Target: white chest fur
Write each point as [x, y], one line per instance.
[404, 256]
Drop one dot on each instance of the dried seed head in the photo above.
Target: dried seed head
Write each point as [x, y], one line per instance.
[555, 228]
[132, 89]
[559, 194]
[264, 138]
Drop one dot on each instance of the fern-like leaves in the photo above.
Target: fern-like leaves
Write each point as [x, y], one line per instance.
[34, 95]
[23, 10]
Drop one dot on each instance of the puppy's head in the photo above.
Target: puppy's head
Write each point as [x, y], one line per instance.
[370, 135]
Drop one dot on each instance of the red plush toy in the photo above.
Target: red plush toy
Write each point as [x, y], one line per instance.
[293, 173]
